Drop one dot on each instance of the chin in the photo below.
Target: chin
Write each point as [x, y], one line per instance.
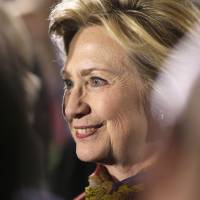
[91, 155]
[86, 155]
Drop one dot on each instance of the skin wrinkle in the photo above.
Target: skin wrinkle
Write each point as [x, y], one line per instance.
[122, 138]
[117, 125]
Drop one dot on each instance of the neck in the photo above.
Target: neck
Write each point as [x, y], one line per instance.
[122, 171]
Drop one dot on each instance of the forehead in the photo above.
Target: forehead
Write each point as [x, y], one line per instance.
[94, 45]
[93, 37]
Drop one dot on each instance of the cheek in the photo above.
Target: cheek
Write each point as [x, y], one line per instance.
[121, 111]
[110, 103]
[106, 105]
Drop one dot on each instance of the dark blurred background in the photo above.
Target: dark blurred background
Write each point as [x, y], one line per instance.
[59, 173]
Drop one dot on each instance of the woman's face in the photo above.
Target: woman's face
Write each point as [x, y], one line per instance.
[101, 102]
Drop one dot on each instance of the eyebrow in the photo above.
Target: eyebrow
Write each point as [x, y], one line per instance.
[64, 73]
[85, 72]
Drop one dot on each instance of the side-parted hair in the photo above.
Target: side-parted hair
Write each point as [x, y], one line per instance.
[146, 29]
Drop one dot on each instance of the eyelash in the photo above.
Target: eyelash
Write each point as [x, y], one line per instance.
[93, 81]
[96, 81]
[68, 84]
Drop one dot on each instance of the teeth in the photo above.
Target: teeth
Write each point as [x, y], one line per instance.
[85, 130]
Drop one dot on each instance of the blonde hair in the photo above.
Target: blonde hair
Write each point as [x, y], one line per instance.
[146, 29]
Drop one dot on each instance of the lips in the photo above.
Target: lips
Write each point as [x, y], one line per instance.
[83, 132]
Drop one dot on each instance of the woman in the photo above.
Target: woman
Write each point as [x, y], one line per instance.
[114, 52]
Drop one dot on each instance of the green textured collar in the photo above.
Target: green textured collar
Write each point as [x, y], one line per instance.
[103, 187]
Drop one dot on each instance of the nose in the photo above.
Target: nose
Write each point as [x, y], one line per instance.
[74, 106]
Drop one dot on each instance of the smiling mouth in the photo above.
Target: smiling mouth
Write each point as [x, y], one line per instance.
[83, 132]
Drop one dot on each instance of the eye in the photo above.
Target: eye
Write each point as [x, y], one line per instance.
[68, 84]
[95, 81]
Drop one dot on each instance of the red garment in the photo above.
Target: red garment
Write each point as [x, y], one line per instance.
[80, 197]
